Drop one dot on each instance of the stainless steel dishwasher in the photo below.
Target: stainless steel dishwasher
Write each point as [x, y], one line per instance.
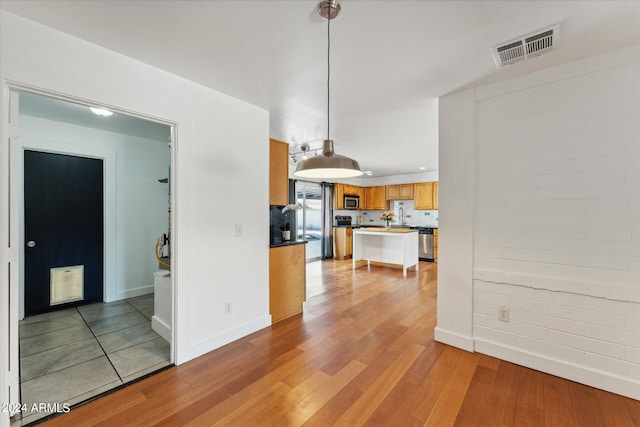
[425, 244]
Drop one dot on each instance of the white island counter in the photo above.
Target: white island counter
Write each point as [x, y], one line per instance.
[394, 246]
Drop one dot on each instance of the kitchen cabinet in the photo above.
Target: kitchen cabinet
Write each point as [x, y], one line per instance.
[374, 198]
[287, 275]
[435, 245]
[399, 192]
[342, 242]
[423, 198]
[351, 190]
[435, 195]
[369, 198]
[340, 190]
[338, 196]
[278, 173]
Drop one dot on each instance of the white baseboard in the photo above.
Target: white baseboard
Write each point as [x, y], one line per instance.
[224, 338]
[451, 338]
[135, 292]
[161, 328]
[578, 373]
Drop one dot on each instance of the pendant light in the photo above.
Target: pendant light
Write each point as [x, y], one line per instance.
[328, 165]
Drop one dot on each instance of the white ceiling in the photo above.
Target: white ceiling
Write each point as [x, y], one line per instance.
[45, 107]
[390, 60]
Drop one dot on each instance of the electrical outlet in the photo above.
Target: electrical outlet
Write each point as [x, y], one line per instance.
[227, 307]
[503, 314]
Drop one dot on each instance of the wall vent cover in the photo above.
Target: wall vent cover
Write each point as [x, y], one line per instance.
[526, 47]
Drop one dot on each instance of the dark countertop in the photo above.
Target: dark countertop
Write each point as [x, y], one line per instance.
[290, 243]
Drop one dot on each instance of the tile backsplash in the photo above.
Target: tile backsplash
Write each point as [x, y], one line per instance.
[411, 216]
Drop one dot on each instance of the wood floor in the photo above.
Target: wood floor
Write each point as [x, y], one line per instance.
[362, 354]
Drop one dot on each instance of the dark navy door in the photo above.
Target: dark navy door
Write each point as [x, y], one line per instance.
[64, 217]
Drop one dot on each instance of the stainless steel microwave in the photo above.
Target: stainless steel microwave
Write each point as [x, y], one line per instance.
[351, 202]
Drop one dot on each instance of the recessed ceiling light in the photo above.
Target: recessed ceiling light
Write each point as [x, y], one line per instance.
[101, 112]
[422, 168]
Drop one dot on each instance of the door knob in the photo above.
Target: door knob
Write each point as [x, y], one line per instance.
[31, 244]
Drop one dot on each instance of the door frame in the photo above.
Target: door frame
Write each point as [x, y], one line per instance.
[13, 206]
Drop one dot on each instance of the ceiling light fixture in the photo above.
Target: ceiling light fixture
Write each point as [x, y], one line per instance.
[101, 112]
[329, 165]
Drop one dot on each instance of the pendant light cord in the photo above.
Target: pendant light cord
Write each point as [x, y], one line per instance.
[328, 67]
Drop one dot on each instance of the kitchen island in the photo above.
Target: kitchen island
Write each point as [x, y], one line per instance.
[392, 246]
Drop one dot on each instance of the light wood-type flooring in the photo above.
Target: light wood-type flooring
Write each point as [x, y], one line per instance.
[362, 354]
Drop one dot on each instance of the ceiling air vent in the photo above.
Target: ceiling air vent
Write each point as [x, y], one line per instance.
[526, 47]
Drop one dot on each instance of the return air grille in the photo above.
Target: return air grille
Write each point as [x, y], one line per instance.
[526, 47]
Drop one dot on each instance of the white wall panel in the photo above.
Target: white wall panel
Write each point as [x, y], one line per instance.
[555, 218]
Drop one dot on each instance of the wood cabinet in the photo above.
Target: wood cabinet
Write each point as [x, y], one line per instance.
[340, 190]
[435, 245]
[342, 242]
[399, 192]
[374, 198]
[338, 196]
[287, 275]
[278, 173]
[406, 191]
[423, 198]
[435, 195]
[351, 190]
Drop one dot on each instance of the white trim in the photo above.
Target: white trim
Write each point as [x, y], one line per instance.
[227, 336]
[579, 373]
[135, 292]
[451, 338]
[161, 328]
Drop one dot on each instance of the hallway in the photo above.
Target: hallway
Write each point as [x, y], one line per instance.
[71, 355]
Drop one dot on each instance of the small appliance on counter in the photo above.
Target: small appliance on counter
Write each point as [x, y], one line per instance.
[343, 220]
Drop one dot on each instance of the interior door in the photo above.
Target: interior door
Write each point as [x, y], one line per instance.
[64, 215]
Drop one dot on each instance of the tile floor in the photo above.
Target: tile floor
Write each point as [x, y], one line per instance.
[72, 355]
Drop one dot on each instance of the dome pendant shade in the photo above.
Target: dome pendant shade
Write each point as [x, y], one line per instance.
[328, 165]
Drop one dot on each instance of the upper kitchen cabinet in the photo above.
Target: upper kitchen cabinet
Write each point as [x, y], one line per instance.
[435, 195]
[351, 190]
[278, 173]
[374, 198]
[425, 197]
[338, 196]
[341, 190]
[400, 192]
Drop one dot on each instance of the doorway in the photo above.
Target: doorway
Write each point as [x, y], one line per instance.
[63, 205]
[81, 350]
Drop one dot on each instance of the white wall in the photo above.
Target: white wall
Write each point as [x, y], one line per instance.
[220, 165]
[140, 200]
[554, 217]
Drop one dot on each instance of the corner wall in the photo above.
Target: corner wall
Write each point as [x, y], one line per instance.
[553, 210]
[219, 161]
